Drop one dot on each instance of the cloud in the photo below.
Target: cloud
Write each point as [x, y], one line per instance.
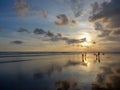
[38, 31]
[99, 27]
[115, 33]
[51, 36]
[62, 19]
[73, 23]
[17, 42]
[106, 19]
[72, 41]
[59, 35]
[42, 12]
[47, 35]
[95, 8]
[66, 39]
[21, 29]
[77, 7]
[21, 7]
[107, 13]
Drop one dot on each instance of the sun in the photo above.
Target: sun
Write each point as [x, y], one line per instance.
[88, 39]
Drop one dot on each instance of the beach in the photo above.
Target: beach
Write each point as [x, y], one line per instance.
[59, 71]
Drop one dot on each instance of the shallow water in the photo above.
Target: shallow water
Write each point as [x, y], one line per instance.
[59, 72]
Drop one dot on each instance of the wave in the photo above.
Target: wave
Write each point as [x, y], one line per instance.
[31, 54]
[13, 61]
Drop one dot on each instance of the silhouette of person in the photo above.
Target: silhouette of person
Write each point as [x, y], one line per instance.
[97, 56]
[82, 57]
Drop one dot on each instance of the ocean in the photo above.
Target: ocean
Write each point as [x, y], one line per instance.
[59, 71]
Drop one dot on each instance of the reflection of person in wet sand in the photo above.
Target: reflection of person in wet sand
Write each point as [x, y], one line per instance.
[83, 57]
[97, 56]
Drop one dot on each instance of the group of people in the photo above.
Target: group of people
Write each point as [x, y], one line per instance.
[97, 55]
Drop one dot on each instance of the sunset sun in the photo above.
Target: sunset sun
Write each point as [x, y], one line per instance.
[88, 39]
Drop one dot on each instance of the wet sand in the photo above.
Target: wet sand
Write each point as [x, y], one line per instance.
[60, 72]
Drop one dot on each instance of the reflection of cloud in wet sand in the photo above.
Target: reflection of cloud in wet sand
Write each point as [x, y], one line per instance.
[109, 79]
[56, 68]
[74, 63]
[66, 85]
[48, 72]
[38, 75]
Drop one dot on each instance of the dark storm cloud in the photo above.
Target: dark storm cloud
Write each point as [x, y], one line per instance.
[21, 29]
[63, 19]
[21, 7]
[77, 7]
[17, 42]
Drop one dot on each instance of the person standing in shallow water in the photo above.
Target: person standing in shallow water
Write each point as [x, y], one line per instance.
[98, 55]
[82, 57]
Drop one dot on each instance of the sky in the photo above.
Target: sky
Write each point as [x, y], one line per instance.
[60, 25]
